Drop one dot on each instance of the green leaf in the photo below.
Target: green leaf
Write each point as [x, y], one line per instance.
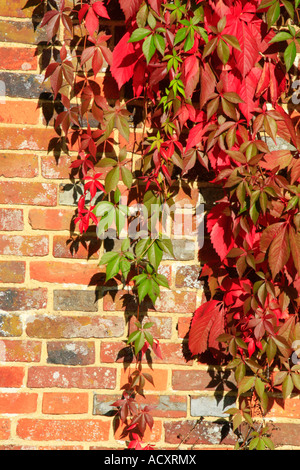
[180, 36]
[149, 48]
[287, 386]
[143, 288]
[159, 43]
[107, 257]
[246, 384]
[125, 267]
[141, 247]
[102, 208]
[105, 223]
[139, 34]
[166, 245]
[127, 177]
[273, 13]
[112, 268]
[289, 8]
[162, 280]
[281, 36]
[290, 55]
[155, 255]
[125, 244]
[223, 52]
[232, 41]
[112, 179]
[133, 336]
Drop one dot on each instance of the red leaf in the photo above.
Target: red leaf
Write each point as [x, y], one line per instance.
[100, 9]
[221, 236]
[130, 7]
[202, 327]
[276, 159]
[125, 58]
[91, 22]
[82, 12]
[155, 4]
[279, 252]
[248, 56]
[208, 83]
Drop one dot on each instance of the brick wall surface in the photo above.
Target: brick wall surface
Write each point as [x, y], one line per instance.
[61, 331]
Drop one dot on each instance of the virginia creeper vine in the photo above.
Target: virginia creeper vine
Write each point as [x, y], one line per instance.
[212, 79]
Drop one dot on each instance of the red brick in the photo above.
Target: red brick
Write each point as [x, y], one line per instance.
[84, 430]
[15, 165]
[285, 434]
[66, 247]
[66, 377]
[18, 403]
[18, 58]
[4, 429]
[160, 378]
[21, 245]
[27, 138]
[11, 376]
[20, 351]
[50, 219]
[11, 219]
[161, 329]
[280, 408]
[65, 403]
[16, 112]
[10, 325]
[12, 271]
[37, 194]
[202, 380]
[65, 273]
[17, 299]
[183, 326]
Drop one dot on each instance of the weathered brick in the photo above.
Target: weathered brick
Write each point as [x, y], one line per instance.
[71, 354]
[75, 327]
[10, 325]
[50, 219]
[12, 271]
[62, 273]
[15, 8]
[76, 248]
[28, 85]
[69, 377]
[216, 405]
[83, 430]
[18, 58]
[75, 300]
[285, 434]
[65, 403]
[202, 380]
[23, 245]
[280, 408]
[21, 32]
[5, 426]
[20, 351]
[56, 168]
[170, 302]
[184, 250]
[187, 276]
[196, 432]
[18, 403]
[164, 406]
[15, 165]
[22, 299]
[21, 192]
[11, 377]
[161, 329]
[11, 219]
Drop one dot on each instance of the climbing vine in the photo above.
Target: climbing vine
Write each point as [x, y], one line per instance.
[213, 83]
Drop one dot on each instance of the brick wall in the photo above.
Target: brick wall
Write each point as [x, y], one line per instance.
[61, 330]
